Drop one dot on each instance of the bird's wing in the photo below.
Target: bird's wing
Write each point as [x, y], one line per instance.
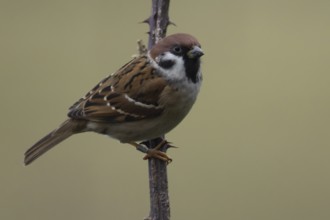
[130, 94]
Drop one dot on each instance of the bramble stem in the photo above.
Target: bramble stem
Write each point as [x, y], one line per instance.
[158, 183]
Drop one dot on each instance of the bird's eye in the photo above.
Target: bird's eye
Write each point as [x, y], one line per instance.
[177, 50]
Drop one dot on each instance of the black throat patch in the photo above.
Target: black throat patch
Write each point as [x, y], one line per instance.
[192, 67]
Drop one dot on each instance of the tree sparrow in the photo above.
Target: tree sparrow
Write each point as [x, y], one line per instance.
[144, 99]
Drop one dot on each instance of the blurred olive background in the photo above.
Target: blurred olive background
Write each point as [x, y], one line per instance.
[254, 147]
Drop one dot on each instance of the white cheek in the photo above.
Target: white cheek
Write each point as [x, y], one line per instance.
[177, 71]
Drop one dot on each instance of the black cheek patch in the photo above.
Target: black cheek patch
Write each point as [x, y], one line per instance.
[166, 64]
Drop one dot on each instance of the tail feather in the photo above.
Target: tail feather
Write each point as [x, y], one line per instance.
[66, 129]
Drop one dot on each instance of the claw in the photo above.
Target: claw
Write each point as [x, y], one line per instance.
[154, 152]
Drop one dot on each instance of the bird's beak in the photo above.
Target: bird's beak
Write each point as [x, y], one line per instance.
[195, 52]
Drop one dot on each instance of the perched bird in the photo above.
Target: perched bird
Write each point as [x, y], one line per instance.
[144, 99]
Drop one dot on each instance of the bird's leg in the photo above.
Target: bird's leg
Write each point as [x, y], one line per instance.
[154, 152]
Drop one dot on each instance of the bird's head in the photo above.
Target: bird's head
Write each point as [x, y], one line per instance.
[178, 57]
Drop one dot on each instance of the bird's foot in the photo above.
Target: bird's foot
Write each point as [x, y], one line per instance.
[154, 152]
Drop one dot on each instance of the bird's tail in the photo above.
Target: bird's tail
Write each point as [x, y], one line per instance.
[66, 129]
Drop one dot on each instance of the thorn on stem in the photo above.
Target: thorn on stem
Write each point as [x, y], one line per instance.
[147, 21]
[172, 23]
